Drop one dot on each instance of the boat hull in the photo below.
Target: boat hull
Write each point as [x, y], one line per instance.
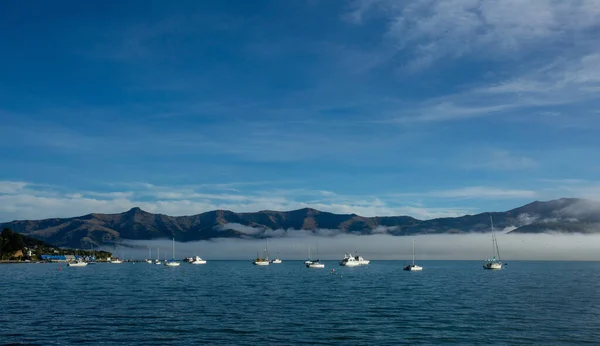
[198, 262]
[315, 265]
[261, 263]
[412, 268]
[172, 264]
[78, 264]
[492, 266]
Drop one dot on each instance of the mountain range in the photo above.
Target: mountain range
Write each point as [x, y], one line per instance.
[566, 215]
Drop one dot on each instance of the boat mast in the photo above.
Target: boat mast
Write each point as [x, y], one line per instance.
[267, 250]
[173, 249]
[413, 251]
[494, 240]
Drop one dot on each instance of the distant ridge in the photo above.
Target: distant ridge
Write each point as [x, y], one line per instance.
[567, 215]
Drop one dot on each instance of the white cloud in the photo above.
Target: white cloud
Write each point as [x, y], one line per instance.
[477, 192]
[568, 80]
[436, 29]
[498, 160]
[241, 228]
[11, 187]
[25, 201]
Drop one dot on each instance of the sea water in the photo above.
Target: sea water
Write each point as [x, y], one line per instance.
[236, 303]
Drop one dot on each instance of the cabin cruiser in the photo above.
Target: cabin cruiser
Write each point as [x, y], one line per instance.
[195, 260]
[276, 261]
[78, 263]
[353, 261]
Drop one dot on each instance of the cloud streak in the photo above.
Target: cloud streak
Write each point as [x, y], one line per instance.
[22, 200]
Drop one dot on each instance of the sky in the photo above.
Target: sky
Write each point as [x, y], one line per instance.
[374, 107]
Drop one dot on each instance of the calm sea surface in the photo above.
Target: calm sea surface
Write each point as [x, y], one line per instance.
[236, 303]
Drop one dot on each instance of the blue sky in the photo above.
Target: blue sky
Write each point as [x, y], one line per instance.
[424, 108]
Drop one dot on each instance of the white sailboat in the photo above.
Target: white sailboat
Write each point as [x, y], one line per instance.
[493, 263]
[117, 260]
[149, 256]
[314, 264]
[262, 261]
[172, 263]
[413, 267]
[157, 256]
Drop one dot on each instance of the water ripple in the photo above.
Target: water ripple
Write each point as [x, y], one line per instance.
[236, 303]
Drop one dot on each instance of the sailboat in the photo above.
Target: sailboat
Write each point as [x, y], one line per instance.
[117, 260]
[91, 257]
[262, 261]
[314, 264]
[493, 263]
[172, 263]
[157, 256]
[413, 267]
[149, 256]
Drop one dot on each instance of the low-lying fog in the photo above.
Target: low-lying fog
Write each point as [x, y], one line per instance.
[378, 247]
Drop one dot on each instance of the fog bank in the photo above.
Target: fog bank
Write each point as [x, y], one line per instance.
[378, 247]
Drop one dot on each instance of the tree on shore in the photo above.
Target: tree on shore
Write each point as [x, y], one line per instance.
[10, 242]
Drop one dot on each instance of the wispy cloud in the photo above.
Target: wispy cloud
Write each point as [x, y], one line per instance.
[498, 160]
[476, 192]
[21, 200]
[433, 30]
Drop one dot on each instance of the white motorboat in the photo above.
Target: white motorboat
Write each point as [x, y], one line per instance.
[413, 267]
[116, 261]
[276, 260]
[78, 263]
[353, 261]
[493, 263]
[172, 262]
[196, 260]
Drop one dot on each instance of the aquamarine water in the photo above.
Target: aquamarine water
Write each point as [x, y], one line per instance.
[236, 303]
